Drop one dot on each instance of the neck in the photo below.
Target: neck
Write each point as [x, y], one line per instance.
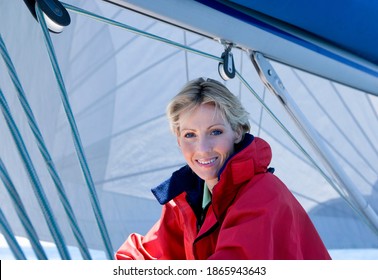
[211, 183]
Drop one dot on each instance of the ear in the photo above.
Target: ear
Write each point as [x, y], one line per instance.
[238, 135]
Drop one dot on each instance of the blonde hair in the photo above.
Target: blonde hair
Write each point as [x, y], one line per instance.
[207, 91]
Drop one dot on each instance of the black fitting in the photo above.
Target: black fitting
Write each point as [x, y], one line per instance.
[53, 9]
[226, 68]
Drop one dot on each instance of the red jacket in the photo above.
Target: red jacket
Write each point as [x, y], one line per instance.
[252, 216]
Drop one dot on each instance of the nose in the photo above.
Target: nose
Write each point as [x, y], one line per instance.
[204, 145]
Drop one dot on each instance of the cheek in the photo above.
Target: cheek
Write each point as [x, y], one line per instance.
[227, 146]
[186, 149]
[227, 150]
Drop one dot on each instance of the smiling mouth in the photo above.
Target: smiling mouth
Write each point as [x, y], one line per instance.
[206, 162]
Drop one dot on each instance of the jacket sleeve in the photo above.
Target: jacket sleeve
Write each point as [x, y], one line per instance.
[163, 241]
[267, 222]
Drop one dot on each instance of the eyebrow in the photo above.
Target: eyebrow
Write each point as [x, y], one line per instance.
[210, 127]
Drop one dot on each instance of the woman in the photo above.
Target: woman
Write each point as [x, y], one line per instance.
[225, 203]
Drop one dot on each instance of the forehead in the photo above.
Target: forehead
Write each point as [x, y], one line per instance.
[201, 116]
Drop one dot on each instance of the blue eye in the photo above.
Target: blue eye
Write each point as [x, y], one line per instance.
[189, 135]
[216, 132]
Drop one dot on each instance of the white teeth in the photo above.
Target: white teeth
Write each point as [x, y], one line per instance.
[207, 162]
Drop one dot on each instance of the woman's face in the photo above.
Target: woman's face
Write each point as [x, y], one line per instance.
[206, 141]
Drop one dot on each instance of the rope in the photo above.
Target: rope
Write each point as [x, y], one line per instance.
[22, 214]
[42, 147]
[34, 180]
[9, 237]
[139, 32]
[76, 136]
